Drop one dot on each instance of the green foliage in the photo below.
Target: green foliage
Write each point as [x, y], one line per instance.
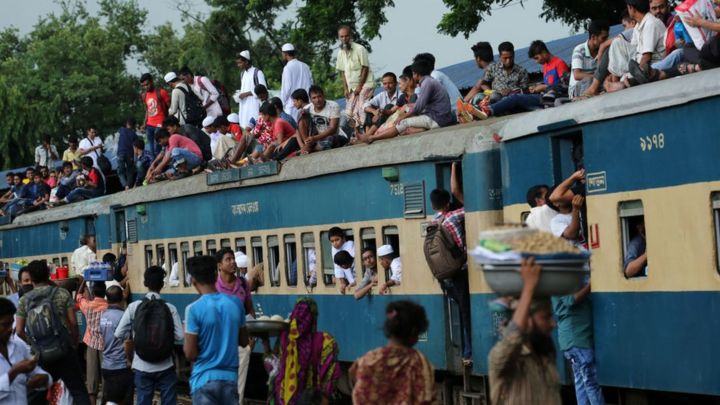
[464, 16]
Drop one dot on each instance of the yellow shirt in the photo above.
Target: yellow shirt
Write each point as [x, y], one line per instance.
[74, 157]
[351, 63]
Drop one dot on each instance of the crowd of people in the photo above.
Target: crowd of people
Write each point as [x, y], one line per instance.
[191, 128]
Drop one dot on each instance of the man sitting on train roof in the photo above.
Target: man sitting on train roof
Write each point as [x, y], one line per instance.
[370, 278]
[325, 117]
[431, 110]
[181, 156]
[568, 223]
[442, 78]
[172, 125]
[584, 58]
[392, 265]
[90, 184]
[345, 277]
[32, 197]
[383, 105]
[483, 53]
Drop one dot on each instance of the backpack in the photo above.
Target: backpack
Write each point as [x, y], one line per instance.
[194, 112]
[223, 99]
[443, 256]
[48, 336]
[153, 329]
[102, 161]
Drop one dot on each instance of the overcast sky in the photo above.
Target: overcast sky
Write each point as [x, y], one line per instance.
[410, 28]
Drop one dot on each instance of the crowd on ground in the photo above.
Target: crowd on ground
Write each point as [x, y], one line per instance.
[192, 128]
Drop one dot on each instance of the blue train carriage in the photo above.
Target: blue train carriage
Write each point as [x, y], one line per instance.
[650, 156]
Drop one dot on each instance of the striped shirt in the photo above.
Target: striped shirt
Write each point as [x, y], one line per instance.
[583, 60]
[93, 310]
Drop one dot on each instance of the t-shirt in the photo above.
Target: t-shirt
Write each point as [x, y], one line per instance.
[574, 321]
[114, 357]
[351, 63]
[95, 176]
[280, 126]
[86, 144]
[396, 271]
[156, 109]
[61, 303]
[540, 218]
[321, 119]
[560, 223]
[635, 249]
[126, 137]
[348, 274]
[179, 141]
[72, 157]
[583, 60]
[554, 70]
[216, 319]
[367, 278]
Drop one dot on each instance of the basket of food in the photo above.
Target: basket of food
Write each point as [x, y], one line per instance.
[564, 266]
[267, 325]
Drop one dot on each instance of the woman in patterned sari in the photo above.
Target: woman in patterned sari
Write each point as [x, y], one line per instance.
[308, 369]
[396, 373]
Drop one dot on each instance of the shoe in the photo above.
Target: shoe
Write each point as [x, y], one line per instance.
[462, 111]
[640, 75]
[482, 112]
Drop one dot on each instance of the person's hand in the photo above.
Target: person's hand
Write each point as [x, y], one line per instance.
[693, 21]
[25, 366]
[374, 281]
[579, 175]
[530, 272]
[577, 202]
[384, 289]
[504, 92]
[38, 381]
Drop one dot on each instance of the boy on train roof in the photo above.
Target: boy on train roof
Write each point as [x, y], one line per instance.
[344, 276]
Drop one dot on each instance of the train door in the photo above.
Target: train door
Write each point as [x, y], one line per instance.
[568, 156]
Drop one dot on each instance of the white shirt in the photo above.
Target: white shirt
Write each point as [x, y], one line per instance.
[396, 271]
[540, 218]
[249, 106]
[86, 144]
[449, 85]
[213, 140]
[43, 157]
[560, 223]
[348, 274]
[124, 329]
[296, 75]
[649, 37]
[15, 392]
[382, 99]
[81, 259]
[207, 93]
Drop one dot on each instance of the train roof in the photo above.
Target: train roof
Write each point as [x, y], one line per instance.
[441, 144]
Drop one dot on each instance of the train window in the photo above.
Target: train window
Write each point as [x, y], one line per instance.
[391, 236]
[224, 243]
[291, 264]
[211, 247]
[148, 256]
[257, 250]
[274, 260]
[632, 223]
[185, 252]
[64, 261]
[368, 238]
[161, 256]
[309, 260]
[524, 216]
[716, 217]
[328, 266]
[197, 248]
[240, 245]
[56, 261]
[173, 264]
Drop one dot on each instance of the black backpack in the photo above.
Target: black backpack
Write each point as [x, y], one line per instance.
[194, 112]
[154, 330]
[200, 139]
[48, 336]
[102, 161]
[223, 99]
[443, 255]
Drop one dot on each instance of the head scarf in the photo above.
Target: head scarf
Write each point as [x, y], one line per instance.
[296, 359]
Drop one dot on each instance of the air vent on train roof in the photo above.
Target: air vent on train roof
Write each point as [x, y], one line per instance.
[414, 200]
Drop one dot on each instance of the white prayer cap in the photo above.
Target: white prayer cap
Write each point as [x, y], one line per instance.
[234, 118]
[245, 55]
[170, 77]
[112, 283]
[208, 121]
[288, 48]
[385, 250]
[241, 260]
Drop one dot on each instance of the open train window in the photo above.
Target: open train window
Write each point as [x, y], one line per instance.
[391, 236]
[197, 248]
[328, 266]
[309, 260]
[632, 223]
[185, 252]
[240, 245]
[148, 256]
[211, 247]
[173, 264]
[161, 257]
[291, 264]
[274, 260]
[224, 243]
[716, 220]
[64, 261]
[56, 261]
[368, 238]
[257, 250]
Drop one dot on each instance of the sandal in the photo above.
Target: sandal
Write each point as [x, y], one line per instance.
[686, 68]
[462, 111]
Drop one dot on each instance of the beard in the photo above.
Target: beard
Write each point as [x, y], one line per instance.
[541, 344]
[346, 45]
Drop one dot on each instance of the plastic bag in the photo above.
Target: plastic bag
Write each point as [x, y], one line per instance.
[700, 8]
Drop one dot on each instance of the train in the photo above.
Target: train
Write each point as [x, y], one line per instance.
[649, 152]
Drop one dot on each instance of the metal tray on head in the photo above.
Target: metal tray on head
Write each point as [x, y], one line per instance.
[561, 279]
[266, 327]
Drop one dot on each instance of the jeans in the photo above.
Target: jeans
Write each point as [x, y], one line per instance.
[191, 160]
[516, 103]
[140, 172]
[216, 392]
[458, 290]
[151, 146]
[80, 194]
[669, 61]
[587, 389]
[164, 381]
[68, 370]
[292, 146]
[126, 169]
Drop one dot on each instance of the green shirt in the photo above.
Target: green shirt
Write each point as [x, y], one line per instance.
[61, 303]
[575, 325]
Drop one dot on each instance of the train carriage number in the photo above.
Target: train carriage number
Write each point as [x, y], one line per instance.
[656, 141]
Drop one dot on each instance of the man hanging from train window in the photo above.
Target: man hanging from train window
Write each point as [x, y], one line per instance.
[344, 277]
[391, 264]
[568, 204]
[540, 213]
[635, 261]
[370, 278]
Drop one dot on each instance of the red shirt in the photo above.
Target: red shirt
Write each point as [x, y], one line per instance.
[179, 141]
[554, 70]
[94, 176]
[235, 130]
[280, 126]
[156, 112]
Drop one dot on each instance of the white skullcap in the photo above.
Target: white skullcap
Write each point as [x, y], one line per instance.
[288, 48]
[234, 118]
[245, 54]
[170, 77]
[208, 121]
[241, 260]
[112, 283]
[385, 250]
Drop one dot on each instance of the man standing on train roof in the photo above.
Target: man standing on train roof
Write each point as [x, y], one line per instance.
[353, 63]
[251, 76]
[521, 366]
[156, 101]
[204, 90]
[295, 75]
[177, 97]
[392, 265]
[84, 255]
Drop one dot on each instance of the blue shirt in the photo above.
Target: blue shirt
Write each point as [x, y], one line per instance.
[290, 120]
[125, 141]
[635, 249]
[216, 319]
[113, 352]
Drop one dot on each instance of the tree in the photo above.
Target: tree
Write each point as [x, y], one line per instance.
[66, 74]
[465, 15]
